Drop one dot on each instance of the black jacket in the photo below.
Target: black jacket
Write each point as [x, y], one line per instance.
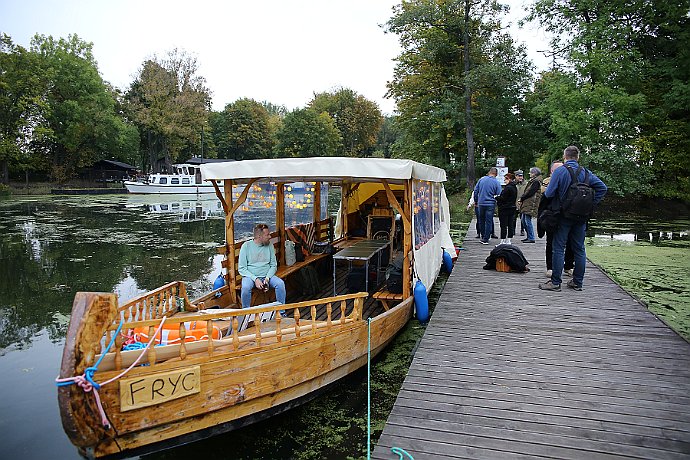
[512, 255]
[507, 197]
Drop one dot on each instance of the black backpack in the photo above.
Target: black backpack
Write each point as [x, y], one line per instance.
[578, 204]
[394, 273]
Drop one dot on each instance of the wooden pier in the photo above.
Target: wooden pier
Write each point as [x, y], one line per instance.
[505, 370]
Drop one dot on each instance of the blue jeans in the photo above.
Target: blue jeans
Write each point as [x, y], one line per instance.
[486, 221]
[247, 286]
[573, 232]
[526, 221]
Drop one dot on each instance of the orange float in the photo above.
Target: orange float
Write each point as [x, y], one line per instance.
[170, 333]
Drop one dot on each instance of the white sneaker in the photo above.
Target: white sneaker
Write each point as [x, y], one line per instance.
[548, 273]
[568, 272]
[508, 241]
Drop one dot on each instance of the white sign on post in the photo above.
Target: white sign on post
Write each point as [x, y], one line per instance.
[501, 173]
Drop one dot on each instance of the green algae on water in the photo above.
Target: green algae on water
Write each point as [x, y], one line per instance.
[657, 274]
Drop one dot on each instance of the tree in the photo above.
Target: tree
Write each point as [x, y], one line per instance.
[388, 134]
[358, 119]
[22, 107]
[80, 125]
[623, 57]
[457, 79]
[244, 130]
[307, 133]
[170, 103]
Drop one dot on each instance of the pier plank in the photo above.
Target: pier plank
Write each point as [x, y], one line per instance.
[505, 370]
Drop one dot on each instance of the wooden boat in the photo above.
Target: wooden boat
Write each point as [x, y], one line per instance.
[260, 363]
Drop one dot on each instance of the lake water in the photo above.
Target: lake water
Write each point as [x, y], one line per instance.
[52, 247]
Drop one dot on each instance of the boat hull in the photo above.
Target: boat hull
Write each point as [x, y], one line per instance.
[236, 387]
[144, 188]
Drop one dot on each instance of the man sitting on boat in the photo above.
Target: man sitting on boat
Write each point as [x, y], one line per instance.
[257, 264]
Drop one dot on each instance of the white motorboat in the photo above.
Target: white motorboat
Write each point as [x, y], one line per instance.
[185, 179]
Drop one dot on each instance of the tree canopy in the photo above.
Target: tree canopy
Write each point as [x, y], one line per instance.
[170, 103]
[59, 114]
[358, 119]
[458, 83]
[245, 130]
[307, 133]
[620, 91]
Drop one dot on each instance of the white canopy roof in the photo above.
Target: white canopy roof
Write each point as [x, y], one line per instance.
[322, 168]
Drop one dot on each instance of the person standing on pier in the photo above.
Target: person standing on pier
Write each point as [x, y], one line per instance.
[520, 184]
[506, 208]
[485, 193]
[570, 229]
[529, 203]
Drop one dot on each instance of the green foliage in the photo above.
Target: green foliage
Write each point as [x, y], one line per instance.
[624, 101]
[358, 119]
[244, 130]
[431, 82]
[307, 133]
[170, 104]
[21, 106]
[388, 134]
[80, 125]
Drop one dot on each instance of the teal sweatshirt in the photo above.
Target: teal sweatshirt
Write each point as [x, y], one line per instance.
[257, 261]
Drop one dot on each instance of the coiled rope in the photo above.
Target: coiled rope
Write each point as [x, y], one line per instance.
[86, 381]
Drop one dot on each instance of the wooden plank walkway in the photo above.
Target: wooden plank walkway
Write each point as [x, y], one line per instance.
[505, 371]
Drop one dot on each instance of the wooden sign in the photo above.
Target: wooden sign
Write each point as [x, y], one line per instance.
[153, 389]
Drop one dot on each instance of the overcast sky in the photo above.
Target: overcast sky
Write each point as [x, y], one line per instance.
[280, 51]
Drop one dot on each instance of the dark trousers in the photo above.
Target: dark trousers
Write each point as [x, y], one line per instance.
[569, 256]
[486, 221]
[477, 226]
[507, 219]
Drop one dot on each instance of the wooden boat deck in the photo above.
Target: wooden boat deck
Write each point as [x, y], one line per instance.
[505, 370]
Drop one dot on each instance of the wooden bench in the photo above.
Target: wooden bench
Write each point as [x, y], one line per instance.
[321, 233]
[384, 296]
[283, 271]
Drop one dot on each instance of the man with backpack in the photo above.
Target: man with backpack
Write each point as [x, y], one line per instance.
[578, 192]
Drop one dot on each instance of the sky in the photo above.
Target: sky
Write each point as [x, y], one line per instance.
[279, 51]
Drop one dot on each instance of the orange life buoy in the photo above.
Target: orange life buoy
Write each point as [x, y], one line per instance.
[170, 333]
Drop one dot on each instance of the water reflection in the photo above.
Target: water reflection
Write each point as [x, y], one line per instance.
[640, 231]
[52, 247]
[182, 207]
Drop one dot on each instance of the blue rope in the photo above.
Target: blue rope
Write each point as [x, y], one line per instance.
[134, 346]
[395, 450]
[368, 388]
[400, 452]
[90, 371]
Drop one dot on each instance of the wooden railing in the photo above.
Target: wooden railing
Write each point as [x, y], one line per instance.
[303, 321]
[163, 301]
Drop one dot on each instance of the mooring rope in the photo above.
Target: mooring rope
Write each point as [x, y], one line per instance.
[396, 450]
[369, 388]
[86, 381]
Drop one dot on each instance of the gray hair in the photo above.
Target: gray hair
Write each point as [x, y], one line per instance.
[534, 170]
[493, 171]
[571, 153]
